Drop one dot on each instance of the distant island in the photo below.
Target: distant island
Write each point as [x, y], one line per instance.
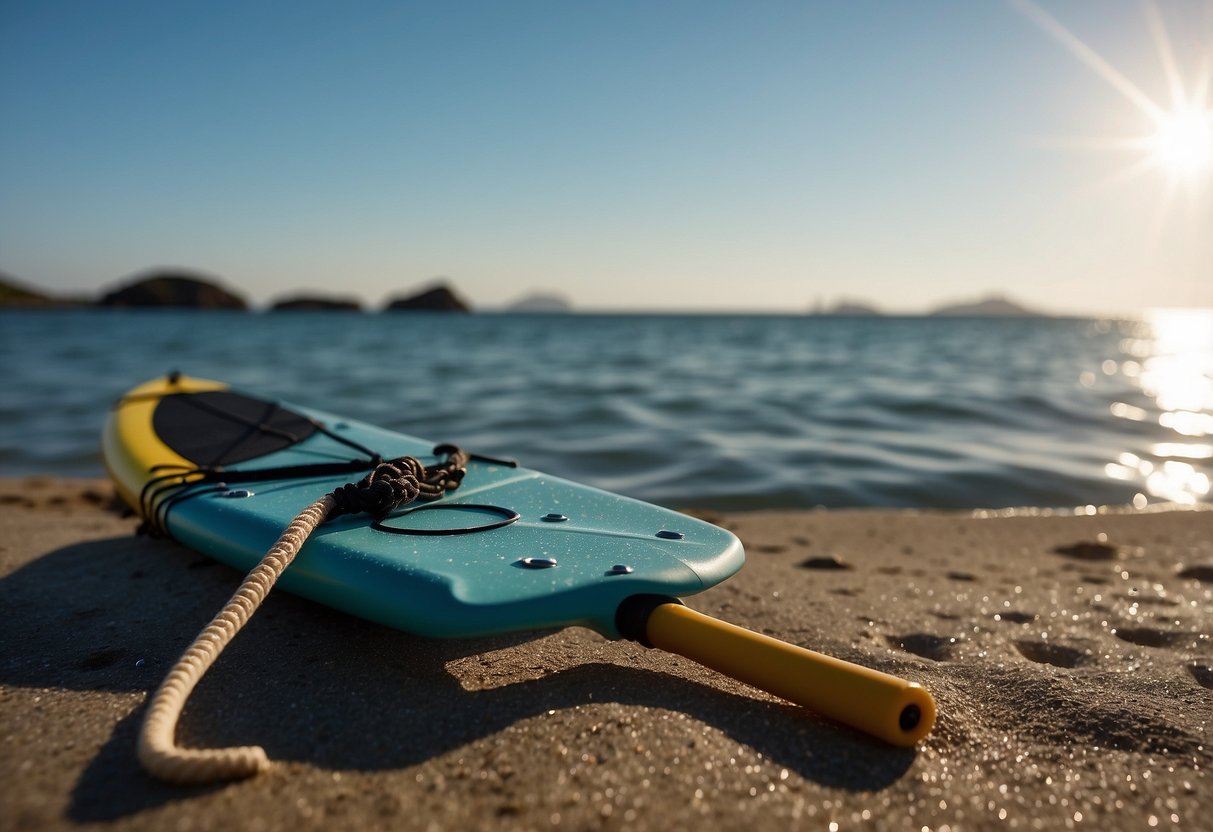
[848, 309]
[17, 294]
[13, 293]
[176, 288]
[173, 289]
[183, 289]
[549, 302]
[315, 303]
[993, 306]
[439, 298]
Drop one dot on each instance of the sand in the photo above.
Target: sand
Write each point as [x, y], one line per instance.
[1070, 656]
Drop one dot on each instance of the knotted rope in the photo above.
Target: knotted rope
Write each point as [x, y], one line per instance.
[390, 485]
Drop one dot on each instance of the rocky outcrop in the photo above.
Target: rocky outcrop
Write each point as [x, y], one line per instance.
[440, 298]
[315, 303]
[173, 289]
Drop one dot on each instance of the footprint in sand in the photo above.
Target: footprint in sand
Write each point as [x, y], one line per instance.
[929, 646]
[17, 500]
[1087, 550]
[824, 562]
[1047, 652]
[100, 659]
[1202, 673]
[1153, 637]
[1199, 572]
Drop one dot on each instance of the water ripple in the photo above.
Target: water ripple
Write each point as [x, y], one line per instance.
[714, 411]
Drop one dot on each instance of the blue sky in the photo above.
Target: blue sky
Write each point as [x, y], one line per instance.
[698, 155]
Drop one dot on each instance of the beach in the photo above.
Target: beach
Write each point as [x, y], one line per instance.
[1069, 653]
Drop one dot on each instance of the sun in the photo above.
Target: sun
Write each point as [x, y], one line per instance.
[1182, 144]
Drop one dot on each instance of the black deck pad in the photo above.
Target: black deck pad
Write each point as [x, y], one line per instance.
[218, 427]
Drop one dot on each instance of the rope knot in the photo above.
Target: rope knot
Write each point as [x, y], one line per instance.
[391, 484]
[400, 481]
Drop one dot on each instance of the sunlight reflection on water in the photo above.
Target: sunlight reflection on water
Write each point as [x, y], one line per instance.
[1172, 363]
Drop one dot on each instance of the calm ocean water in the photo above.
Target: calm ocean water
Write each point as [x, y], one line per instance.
[711, 411]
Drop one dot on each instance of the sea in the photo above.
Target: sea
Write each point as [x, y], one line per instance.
[710, 411]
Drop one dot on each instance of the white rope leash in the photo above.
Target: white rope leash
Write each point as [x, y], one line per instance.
[392, 483]
[158, 751]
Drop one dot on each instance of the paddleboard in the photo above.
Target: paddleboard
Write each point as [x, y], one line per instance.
[496, 547]
[511, 549]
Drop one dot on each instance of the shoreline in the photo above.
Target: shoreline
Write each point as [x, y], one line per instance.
[1072, 673]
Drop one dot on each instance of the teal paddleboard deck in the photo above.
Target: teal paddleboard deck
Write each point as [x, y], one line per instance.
[510, 549]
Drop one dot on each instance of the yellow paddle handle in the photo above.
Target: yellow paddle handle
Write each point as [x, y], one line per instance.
[893, 709]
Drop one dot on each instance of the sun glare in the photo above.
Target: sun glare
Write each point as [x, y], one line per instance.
[1183, 143]
[1180, 147]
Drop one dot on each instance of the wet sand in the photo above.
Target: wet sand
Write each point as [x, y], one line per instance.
[1070, 656]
